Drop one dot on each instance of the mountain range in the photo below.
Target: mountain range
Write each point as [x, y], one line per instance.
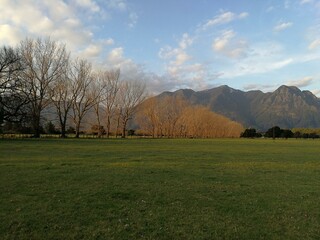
[286, 107]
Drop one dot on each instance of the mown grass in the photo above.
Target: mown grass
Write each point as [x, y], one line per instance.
[159, 189]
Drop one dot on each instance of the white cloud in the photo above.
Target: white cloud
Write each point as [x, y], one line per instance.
[220, 19]
[221, 42]
[123, 7]
[270, 9]
[24, 14]
[305, 1]
[156, 40]
[58, 10]
[243, 15]
[309, 57]
[109, 41]
[116, 59]
[129, 70]
[314, 44]
[261, 87]
[181, 69]
[186, 41]
[9, 34]
[223, 18]
[251, 67]
[118, 4]
[58, 19]
[262, 58]
[229, 46]
[88, 5]
[72, 23]
[304, 82]
[178, 56]
[196, 76]
[316, 92]
[181, 58]
[282, 26]
[92, 51]
[287, 4]
[313, 36]
[115, 56]
[133, 19]
[166, 52]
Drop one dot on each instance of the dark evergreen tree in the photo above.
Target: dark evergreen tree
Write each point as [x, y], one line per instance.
[286, 133]
[274, 132]
[250, 133]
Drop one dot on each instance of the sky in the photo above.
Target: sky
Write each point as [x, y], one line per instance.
[174, 44]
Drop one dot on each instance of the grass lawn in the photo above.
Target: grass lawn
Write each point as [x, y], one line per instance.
[159, 189]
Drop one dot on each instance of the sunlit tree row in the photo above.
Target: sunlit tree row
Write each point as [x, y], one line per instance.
[174, 117]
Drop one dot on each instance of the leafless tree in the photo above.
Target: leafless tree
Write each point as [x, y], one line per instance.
[99, 85]
[109, 95]
[44, 63]
[12, 102]
[83, 92]
[132, 93]
[170, 111]
[105, 87]
[147, 116]
[200, 122]
[62, 97]
[10, 64]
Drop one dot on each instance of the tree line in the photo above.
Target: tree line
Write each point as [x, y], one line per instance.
[44, 89]
[40, 73]
[174, 117]
[277, 132]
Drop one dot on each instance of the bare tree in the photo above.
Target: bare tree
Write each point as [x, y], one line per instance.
[10, 64]
[174, 117]
[132, 93]
[110, 94]
[106, 86]
[62, 97]
[170, 111]
[200, 122]
[44, 63]
[159, 117]
[99, 84]
[12, 102]
[84, 95]
[147, 116]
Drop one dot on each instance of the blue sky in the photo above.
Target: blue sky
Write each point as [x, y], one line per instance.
[173, 44]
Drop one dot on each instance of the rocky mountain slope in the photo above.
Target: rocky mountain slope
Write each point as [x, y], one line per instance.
[287, 107]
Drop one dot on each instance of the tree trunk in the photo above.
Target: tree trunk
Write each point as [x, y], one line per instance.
[63, 126]
[36, 133]
[123, 131]
[36, 126]
[63, 131]
[99, 121]
[124, 126]
[108, 127]
[77, 130]
[118, 125]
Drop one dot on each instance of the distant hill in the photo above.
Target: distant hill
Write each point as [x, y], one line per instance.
[287, 107]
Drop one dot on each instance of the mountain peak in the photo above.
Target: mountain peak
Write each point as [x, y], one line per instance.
[288, 90]
[286, 107]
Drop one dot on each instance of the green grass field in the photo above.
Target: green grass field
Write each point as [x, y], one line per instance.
[159, 189]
